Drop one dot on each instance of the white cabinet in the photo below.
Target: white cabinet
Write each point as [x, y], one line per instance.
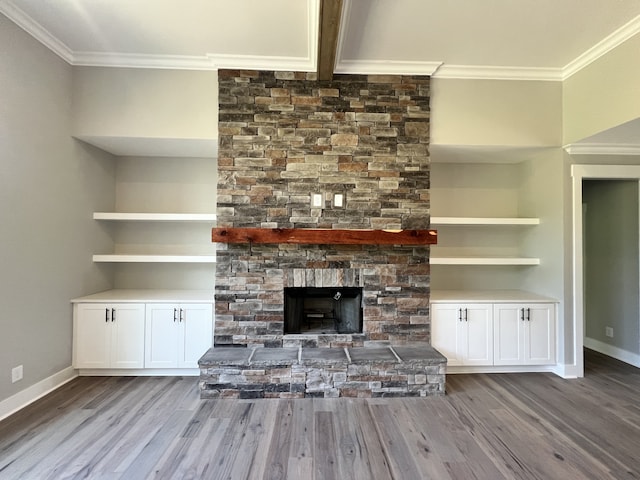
[149, 332]
[109, 335]
[177, 335]
[463, 333]
[501, 330]
[524, 334]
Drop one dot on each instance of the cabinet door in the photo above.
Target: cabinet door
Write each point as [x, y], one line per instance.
[477, 338]
[92, 336]
[445, 330]
[127, 336]
[162, 336]
[540, 343]
[196, 323]
[509, 333]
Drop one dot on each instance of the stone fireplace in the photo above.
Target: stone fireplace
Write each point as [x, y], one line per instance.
[287, 145]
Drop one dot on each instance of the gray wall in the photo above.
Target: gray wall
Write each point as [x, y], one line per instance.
[49, 186]
[611, 262]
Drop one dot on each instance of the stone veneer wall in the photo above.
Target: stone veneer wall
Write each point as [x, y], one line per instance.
[285, 135]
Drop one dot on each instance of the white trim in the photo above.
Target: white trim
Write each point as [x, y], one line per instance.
[30, 394]
[156, 217]
[623, 355]
[139, 372]
[456, 369]
[125, 258]
[578, 173]
[436, 260]
[484, 221]
[386, 67]
[263, 62]
[490, 72]
[183, 62]
[610, 42]
[37, 31]
[567, 371]
[602, 149]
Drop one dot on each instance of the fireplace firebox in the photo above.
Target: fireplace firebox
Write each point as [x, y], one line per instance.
[322, 310]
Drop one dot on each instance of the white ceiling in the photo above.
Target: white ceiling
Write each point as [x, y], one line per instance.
[536, 39]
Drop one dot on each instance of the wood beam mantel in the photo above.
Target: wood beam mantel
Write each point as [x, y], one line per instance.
[318, 236]
[329, 28]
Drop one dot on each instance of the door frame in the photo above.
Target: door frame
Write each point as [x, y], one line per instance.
[578, 174]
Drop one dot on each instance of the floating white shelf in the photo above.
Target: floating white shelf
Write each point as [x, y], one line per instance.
[120, 258]
[484, 261]
[156, 217]
[484, 221]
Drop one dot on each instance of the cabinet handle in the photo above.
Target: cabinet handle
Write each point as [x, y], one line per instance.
[181, 315]
[459, 314]
[175, 314]
[522, 314]
[528, 314]
[466, 314]
[113, 314]
[106, 314]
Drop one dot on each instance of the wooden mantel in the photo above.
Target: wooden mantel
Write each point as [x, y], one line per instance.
[317, 236]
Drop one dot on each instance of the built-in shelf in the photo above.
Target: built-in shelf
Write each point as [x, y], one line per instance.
[156, 217]
[123, 258]
[484, 261]
[484, 221]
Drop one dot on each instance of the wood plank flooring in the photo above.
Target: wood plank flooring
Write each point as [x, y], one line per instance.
[507, 426]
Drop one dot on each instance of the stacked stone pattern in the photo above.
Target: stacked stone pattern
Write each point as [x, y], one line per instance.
[284, 136]
[285, 373]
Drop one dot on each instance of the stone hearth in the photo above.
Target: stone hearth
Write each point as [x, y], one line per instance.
[398, 371]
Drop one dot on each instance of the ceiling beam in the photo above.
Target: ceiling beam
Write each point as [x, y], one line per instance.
[330, 15]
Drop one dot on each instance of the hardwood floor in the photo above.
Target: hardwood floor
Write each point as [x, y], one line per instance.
[508, 426]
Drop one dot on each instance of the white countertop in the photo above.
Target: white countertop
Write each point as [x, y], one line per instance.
[488, 296]
[148, 296]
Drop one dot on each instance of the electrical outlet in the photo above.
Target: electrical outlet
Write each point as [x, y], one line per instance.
[608, 331]
[16, 374]
[316, 200]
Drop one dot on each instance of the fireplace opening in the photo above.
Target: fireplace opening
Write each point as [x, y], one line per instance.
[322, 310]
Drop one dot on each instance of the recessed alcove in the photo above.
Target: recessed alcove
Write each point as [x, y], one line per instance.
[318, 310]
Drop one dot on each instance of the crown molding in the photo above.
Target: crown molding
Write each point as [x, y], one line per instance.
[183, 62]
[610, 42]
[386, 67]
[602, 149]
[37, 31]
[498, 73]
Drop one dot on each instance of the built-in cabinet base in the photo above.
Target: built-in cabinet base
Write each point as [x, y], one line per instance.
[156, 332]
[494, 331]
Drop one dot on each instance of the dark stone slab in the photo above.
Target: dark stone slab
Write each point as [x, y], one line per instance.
[219, 356]
[425, 354]
[371, 354]
[324, 355]
[280, 356]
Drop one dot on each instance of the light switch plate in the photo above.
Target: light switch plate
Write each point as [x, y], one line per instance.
[338, 200]
[316, 200]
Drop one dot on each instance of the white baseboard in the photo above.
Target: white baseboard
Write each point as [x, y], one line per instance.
[456, 369]
[139, 372]
[615, 352]
[568, 371]
[30, 394]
